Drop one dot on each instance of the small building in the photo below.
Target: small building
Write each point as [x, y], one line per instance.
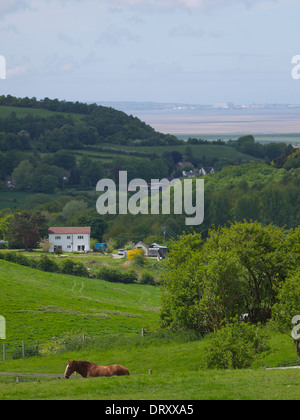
[206, 170]
[70, 239]
[190, 174]
[101, 247]
[160, 249]
[153, 251]
[10, 183]
[144, 247]
[182, 165]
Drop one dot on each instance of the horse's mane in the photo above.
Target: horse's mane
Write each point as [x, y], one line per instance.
[85, 363]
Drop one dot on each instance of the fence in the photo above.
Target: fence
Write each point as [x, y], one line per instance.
[8, 351]
[31, 348]
[36, 375]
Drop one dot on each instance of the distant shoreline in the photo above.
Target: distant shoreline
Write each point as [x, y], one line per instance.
[184, 121]
[223, 122]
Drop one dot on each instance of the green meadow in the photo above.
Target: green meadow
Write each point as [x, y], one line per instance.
[39, 305]
[54, 309]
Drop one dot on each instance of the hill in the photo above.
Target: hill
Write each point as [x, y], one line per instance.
[38, 305]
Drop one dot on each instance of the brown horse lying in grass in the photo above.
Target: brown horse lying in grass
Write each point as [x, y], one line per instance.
[87, 369]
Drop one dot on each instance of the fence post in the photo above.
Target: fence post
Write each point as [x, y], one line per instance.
[143, 332]
[23, 349]
[3, 352]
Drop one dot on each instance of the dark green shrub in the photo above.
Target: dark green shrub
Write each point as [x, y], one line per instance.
[147, 278]
[129, 276]
[68, 266]
[117, 276]
[236, 346]
[47, 264]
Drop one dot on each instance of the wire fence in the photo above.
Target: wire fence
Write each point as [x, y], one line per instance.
[31, 348]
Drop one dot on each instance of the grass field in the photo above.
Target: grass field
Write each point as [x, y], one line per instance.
[38, 306]
[198, 151]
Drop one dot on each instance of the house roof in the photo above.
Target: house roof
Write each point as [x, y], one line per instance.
[181, 165]
[154, 245]
[141, 243]
[69, 230]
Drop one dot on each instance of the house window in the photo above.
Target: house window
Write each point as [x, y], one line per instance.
[80, 237]
[69, 247]
[68, 237]
[57, 237]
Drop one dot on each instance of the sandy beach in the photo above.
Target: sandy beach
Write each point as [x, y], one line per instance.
[231, 121]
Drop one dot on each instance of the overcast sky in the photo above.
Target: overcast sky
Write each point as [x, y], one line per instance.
[191, 51]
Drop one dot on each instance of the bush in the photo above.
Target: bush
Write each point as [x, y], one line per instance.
[68, 266]
[80, 270]
[46, 264]
[129, 276]
[109, 274]
[18, 258]
[147, 278]
[236, 346]
[137, 256]
[117, 276]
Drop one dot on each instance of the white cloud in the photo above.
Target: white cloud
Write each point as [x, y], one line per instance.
[68, 40]
[12, 6]
[16, 71]
[115, 35]
[187, 31]
[191, 4]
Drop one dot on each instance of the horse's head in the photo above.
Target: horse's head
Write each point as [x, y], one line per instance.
[69, 369]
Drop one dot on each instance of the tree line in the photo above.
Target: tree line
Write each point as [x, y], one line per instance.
[237, 269]
[96, 124]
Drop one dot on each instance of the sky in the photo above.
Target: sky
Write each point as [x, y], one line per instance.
[183, 51]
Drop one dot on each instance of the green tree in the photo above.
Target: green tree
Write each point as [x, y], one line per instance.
[23, 175]
[238, 269]
[26, 228]
[4, 222]
[45, 245]
[72, 207]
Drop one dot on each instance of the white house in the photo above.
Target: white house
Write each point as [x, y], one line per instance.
[70, 239]
[206, 170]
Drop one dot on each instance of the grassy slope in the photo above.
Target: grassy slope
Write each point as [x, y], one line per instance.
[177, 374]
[198, 151]
[38, 304]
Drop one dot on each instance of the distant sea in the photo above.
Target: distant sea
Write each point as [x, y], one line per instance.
[266, 125]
